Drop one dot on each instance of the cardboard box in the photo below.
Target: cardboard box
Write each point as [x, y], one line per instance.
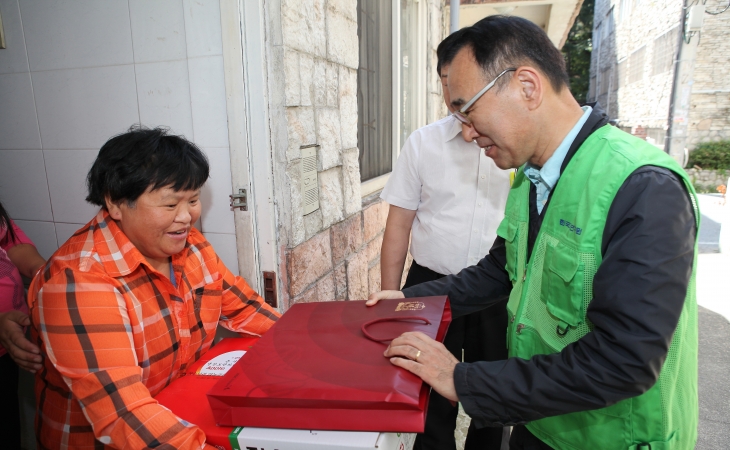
[186, 398]
[246, 438]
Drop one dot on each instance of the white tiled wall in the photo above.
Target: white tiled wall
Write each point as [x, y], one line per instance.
[23, 185]
[82, 108]
[19, 129]
[15, 58]
[77, 72]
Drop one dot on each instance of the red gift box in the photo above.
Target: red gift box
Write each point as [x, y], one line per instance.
[317, 369]
[186, 398]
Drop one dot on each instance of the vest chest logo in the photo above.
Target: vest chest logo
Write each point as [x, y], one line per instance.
[571, 227]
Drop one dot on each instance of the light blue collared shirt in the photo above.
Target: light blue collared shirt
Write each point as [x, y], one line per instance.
[546, 178]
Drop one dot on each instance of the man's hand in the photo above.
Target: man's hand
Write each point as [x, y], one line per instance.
[427, 359]
[383, 295]
[24, 353]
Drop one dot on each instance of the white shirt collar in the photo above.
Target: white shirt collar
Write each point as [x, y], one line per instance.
[454, 129]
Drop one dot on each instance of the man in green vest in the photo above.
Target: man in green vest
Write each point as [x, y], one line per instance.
[596, 254]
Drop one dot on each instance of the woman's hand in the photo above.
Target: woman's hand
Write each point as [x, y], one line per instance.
[26, 354]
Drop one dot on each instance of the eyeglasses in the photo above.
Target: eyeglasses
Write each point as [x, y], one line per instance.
[462, 114]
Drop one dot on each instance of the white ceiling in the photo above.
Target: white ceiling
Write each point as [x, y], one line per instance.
[555, 17]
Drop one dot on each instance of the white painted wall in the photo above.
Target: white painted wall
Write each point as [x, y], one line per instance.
[76, 72]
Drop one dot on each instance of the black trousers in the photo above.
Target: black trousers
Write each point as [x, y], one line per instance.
[482, 336]
[523, 439]
[9, 409]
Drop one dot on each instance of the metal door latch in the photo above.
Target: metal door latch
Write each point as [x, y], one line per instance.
[239, 200]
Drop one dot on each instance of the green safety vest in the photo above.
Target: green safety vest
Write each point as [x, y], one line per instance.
[550, 296]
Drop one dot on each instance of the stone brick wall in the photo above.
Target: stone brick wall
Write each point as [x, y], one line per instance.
[339, 263]
[312, 67]
[312, 56]
[644, 102]
[709, 118]
[708, 180]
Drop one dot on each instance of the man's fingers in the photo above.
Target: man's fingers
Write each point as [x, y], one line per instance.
[403, 351]
[411, 345]
[435, 369]
[414, 338]
[409, 365]
[382, 295]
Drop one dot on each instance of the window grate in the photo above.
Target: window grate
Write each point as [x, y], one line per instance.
[375, 88]
[620, 75]
[664, 50]
[604, 81]
[636, 65]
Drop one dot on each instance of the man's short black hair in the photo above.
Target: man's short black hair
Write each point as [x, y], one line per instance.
[131, 162]
[502, 42]
[447, 50]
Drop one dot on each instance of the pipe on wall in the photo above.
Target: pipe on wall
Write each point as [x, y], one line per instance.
[454, 10]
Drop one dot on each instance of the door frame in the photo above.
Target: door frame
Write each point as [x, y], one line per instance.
[243, 35]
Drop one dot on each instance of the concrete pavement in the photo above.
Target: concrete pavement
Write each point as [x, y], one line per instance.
[714, 381]
[713, 297]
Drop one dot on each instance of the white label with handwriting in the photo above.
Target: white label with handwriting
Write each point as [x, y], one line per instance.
[219, 365]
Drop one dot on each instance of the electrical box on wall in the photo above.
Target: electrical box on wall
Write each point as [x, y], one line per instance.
[695, 18]
[310, 185]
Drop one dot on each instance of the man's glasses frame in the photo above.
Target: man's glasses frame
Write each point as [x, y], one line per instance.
[462, 113]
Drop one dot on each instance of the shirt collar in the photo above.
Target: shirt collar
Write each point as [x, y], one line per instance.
[453, 129]
[550, 171]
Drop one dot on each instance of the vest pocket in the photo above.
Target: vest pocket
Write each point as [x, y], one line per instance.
[562, 286]
[508, 231]
[670, 443]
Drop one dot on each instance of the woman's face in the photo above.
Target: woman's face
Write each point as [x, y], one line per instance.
[159, 222]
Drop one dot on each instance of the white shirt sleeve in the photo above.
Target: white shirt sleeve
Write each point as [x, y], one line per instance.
[403, 188]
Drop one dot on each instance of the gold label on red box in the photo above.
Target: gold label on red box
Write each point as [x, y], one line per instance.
[410, 306]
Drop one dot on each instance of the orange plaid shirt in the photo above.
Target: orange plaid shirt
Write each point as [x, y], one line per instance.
[115, 332]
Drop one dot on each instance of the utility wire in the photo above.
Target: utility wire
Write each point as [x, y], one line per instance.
[718, 11]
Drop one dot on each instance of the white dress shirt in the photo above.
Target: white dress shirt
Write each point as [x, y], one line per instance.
[458, 194]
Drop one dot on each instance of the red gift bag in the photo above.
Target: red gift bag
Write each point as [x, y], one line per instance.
[317, 369]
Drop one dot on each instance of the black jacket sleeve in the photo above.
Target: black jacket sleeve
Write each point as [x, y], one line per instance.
[473, 288]
[639, 292]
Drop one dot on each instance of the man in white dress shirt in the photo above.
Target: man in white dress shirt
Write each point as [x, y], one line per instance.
[448, 197]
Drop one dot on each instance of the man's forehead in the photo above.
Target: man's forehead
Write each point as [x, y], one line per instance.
[465, 77]
[464, 66]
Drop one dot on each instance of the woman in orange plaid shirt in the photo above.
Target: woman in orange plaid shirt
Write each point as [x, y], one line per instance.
[131, 299]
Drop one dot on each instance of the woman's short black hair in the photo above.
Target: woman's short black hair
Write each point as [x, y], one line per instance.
[6, 223]
[130, 163]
